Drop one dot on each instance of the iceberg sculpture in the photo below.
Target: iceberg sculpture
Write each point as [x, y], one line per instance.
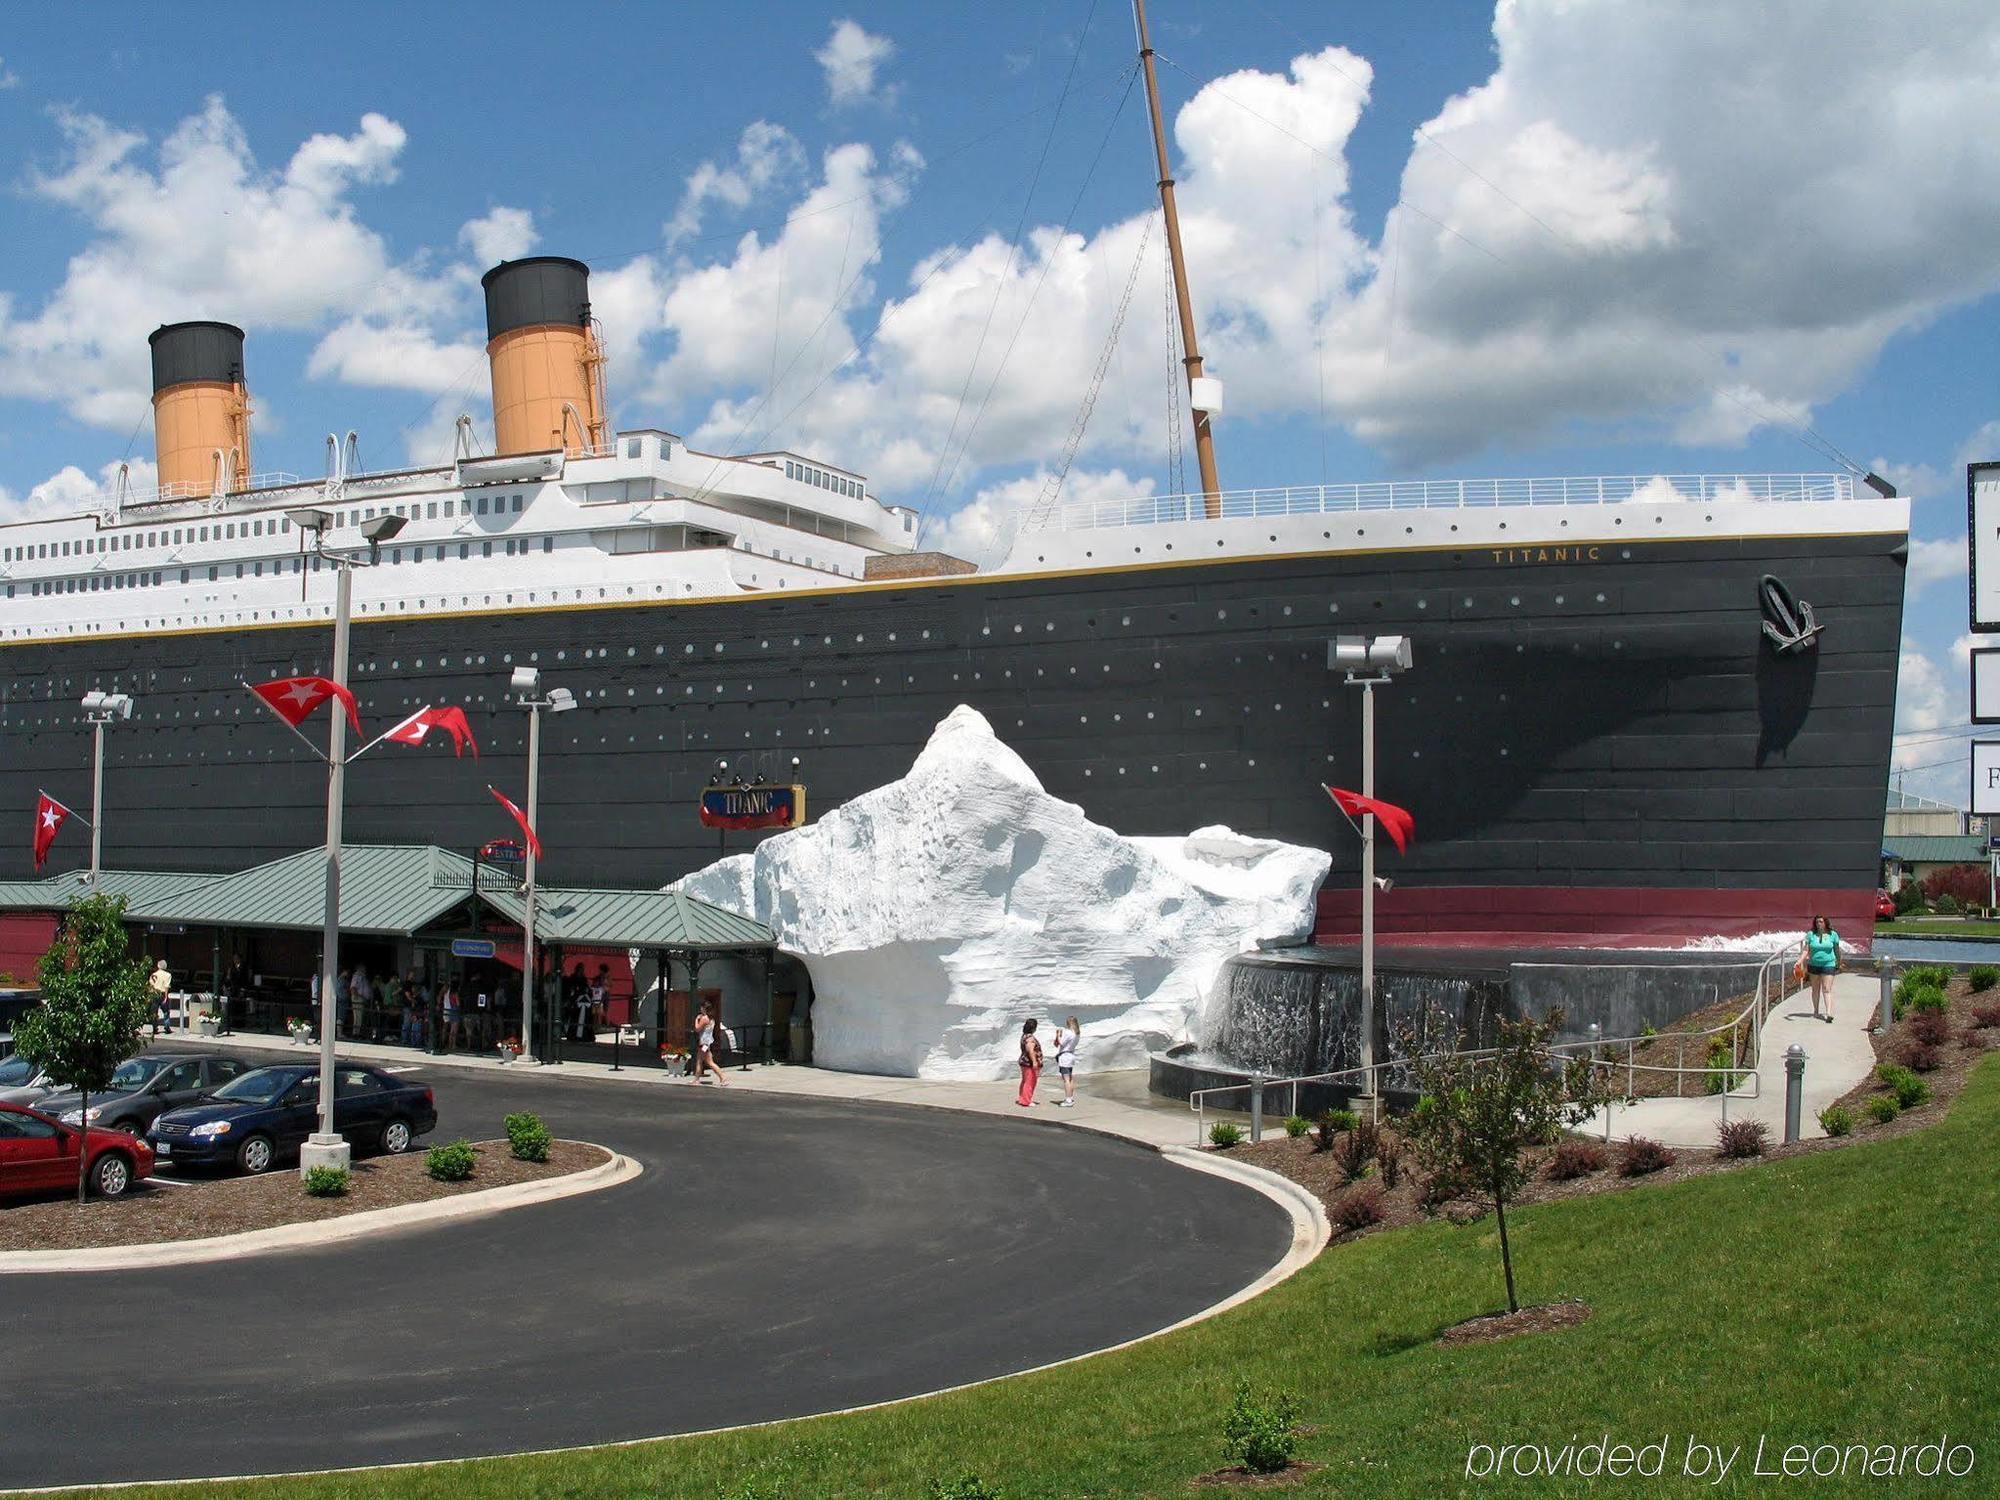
[939, 911]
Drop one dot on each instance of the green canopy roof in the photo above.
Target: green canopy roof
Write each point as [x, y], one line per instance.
[397, 890]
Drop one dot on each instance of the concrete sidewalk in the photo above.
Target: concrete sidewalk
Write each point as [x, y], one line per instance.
[1838, 1056]
[1114, 1103]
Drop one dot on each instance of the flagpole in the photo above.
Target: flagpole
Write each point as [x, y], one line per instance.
[389, 731]
[1368, 889]
[317, 752]
[328, 1147]
[528, 924]
[96, 799]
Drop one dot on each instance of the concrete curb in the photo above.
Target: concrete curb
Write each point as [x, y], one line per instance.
[283, 1237]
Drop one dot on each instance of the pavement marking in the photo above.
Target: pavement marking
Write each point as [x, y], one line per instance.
[158, 1181]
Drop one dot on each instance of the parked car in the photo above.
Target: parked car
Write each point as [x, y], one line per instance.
[1885, 906]
[143, 1086]
[252, 1120]
[23, 1082]
[38, 1154]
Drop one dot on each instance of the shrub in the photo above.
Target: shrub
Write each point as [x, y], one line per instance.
[1929, 1000]
[1947, 905]
[1882, 1109]
[1931, 1027]
[1640, 1156]
[1333, 1123]
[1962, 885]
[1297, 1125]
[1648, 1031]
[1836, 1119]
[326, 1182]
[1358, 1207]
[1984, 1016]
[1738, 1139]
[1909, 897]
[1224, 1134]
[1983, 977]
[1357, 1151]
[1722, 1072]
[529, 1137]
[1910, 1090]
[965, 1487]
[1575, 1158]
[452, 1163]
[1389, 1159]
[1257, 1433]
[1922, 1057]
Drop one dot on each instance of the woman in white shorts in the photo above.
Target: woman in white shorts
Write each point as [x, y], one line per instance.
[1066, 1038]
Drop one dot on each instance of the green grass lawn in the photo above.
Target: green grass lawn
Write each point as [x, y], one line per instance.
[1938, 927]
[1851, 1295]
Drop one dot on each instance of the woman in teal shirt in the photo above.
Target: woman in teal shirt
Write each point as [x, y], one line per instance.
[1822, 956]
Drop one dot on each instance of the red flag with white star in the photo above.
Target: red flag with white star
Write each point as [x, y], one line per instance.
[50, 815]
[1396, 821]
[527, 829]
[451, 720]
[294, 698]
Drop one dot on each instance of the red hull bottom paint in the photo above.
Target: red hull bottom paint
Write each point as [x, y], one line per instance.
[1547, 916]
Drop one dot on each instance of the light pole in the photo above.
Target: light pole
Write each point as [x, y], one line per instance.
[526, 683]
[326, 1147]
[1369, 662]
[100, 709]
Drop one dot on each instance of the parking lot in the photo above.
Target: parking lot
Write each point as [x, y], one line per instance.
[777, 1257]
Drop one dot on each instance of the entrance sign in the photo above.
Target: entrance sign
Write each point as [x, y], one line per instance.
[1986, 685]
[1982, 499]
[472, 947]
[759, 806]
[1986, 777]
[503, 852]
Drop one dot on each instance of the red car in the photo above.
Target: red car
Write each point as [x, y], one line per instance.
[38, 1154]
[1885, 906]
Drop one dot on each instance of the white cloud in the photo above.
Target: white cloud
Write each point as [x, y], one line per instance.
[1935, 562]
[500, 234]
[70, 489]
[766, 154]
[203, 232]
[8, 77]
[400, 356]
[1927, 699]
[849, 59]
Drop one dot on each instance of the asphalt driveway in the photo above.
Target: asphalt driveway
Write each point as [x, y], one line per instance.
[778, 1257]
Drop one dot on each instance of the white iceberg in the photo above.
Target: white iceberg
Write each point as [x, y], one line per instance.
[938, 912]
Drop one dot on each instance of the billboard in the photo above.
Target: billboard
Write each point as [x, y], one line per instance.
[1982, 505]
[760, 806]
[1986, 685]
[1986, 777]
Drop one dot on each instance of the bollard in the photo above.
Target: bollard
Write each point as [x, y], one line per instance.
[1795, 1075]
[1256, 1108]
[1886, 1017]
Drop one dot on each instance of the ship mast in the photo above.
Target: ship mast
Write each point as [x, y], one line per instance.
[1202, 392]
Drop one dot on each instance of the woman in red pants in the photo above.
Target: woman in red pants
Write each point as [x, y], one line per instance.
[1031, 1063]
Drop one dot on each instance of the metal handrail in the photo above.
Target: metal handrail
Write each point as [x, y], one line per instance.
[1762, 999]
[1443, 494]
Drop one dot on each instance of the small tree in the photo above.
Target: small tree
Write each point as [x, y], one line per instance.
[1478, 1115]
[94, 1006]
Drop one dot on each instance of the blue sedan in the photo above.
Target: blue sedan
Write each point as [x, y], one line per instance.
[252, 1120]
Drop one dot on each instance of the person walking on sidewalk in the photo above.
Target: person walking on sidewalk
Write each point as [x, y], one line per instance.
[1822, 957]
[1031, 1064]
[1063, 1044]
[159, 982]
[704, 1044]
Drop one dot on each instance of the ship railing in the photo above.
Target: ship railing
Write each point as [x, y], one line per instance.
[183, 491]
[1611, 1058]
[1441, 494]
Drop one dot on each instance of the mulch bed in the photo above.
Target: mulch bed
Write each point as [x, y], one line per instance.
[1236, 1474]
[230, 1205]
[1320, 1173]
[1490, 1326]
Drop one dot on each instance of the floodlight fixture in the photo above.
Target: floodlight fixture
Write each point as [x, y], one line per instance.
[525, 679]
[1369, 653]
[561, 700]
[383, 528]
[94, 700]
[309, 519]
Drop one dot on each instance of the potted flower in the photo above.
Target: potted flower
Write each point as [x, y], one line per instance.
[208, 1024]
[301, 1030]
[510, 1048]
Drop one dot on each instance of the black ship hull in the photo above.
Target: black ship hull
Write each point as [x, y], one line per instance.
[1597, 743]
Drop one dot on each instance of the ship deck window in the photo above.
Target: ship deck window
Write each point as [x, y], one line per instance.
[517, 505]
[431, 511]
[482, 505]
[548, 544]
[485, 549]
[448, 509]
[632, 447]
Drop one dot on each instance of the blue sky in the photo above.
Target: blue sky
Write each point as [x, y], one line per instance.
[1580, 238]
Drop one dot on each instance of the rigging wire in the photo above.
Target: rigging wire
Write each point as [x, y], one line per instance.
[1176, 378]
[1007, 272]
[1034, 294]
[1051, 495]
